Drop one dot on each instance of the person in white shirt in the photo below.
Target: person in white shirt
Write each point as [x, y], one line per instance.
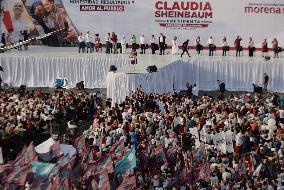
[153, 44]
[174, 46]
[89, 42]
[142, 43]
[162, 43]
[225, 46]
[195, 91]
[123, 44]
[210, 43]
[108, 44]
[251, 47]
[81, 43]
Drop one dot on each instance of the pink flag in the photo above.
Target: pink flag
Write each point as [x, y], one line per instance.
[202, 171]
[101, 164]
[199, 155]
[103, 180]
[171, 154]
[64, 184]
[117, 150]
[128, 183]
[26, 156]
[54, 150]
[159, 154]
[67, 169]
[80, 145]
[40, 183]
[18, 176]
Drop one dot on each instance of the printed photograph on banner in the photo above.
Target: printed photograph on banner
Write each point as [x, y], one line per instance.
[15, 20]
[48, 16]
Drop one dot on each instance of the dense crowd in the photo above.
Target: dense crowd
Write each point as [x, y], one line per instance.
[166, 141]
[25, 115]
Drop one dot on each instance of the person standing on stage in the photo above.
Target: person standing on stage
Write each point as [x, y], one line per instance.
[114, 42]
[81, 43]
[225, 46]
[97, 42]
[265, 82]
[153, 44]
[210, 43]
[21, 39]
[264, 48]
[199, 47]
[3, 40]
[142, 44]
[133, 42]
[123, 44]
[174, 46]
[238, 46]
[108, 44]
[185, 48]
[162, 43]
[275, 47]
[251, 47]
[89, 42]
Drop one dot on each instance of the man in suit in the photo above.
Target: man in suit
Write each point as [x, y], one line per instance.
[162, 42]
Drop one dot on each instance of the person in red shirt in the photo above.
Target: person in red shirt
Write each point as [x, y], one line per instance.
[238, 46]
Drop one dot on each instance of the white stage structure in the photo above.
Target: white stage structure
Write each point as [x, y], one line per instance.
[40, 66]
[238, 75]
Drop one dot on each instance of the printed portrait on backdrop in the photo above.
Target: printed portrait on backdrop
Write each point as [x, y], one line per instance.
[15, 20]
[50, 15]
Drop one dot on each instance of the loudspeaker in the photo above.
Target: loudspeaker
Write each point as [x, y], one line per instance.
[112, 68]
[257, 89]
[152, 69]
[80, 85]
[267, 58]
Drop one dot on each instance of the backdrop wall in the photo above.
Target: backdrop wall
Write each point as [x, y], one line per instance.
[185, 19]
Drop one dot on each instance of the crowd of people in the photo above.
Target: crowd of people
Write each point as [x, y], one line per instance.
[26, 114]
[112, 44]
[163, 141]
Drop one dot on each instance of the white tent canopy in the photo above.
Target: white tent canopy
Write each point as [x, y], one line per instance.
[44, 148]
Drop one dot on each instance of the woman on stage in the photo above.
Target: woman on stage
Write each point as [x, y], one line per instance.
[251, 47]
[275, 47]
[225, 46]
[264, 48]
[174, 46]
[97, 42]
[199, 47]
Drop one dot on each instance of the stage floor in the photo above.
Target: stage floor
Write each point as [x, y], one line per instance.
[144, 60]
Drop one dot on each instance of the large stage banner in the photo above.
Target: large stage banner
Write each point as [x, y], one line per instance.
[185, 19]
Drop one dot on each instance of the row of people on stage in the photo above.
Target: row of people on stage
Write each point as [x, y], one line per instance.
[113, 44]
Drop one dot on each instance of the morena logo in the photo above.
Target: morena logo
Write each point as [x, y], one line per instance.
[264, 10]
